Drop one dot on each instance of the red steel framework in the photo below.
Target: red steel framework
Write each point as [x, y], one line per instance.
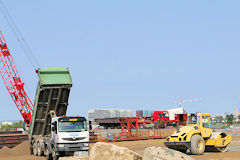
[13, 82]
[131, 130]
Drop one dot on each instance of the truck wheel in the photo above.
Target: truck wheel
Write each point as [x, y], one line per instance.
[55, 155]
[197, 145]
[31, 149]
[39, 149]
[48, 154]
[35, 149]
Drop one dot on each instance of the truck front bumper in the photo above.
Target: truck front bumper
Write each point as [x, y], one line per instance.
[72, 147]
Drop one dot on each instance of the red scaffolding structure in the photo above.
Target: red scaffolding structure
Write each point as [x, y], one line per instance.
[131, 130]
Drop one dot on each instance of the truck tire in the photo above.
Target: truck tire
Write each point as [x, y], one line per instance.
[35, 149]
[55, 155]
[197, 145]
[40, 149]
[48, 154]
[31, 149]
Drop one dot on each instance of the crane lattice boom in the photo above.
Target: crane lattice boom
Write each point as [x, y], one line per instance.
[13, 82]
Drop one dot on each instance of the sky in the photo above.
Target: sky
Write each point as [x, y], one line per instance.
[138, 54]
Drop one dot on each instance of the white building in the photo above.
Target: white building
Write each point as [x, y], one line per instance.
[108, 113]
[236, 113]
[6, 123]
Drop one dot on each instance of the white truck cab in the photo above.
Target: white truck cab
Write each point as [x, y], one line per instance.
[69, 134]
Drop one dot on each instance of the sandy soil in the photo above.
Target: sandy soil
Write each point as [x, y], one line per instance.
[139, 146]
[21, 152]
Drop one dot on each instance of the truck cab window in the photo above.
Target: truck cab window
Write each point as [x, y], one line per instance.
[165, 115]
[72, 126]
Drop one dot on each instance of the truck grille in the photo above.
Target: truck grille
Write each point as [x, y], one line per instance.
[74, 139]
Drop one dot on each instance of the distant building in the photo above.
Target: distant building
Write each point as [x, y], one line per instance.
[6, 123]
[236, 113]
[108, 113]
[139, 113]
[224, 116]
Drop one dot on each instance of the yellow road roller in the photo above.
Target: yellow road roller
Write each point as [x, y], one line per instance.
[197, 136]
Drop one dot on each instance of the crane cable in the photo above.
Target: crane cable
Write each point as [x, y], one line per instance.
[19, 36]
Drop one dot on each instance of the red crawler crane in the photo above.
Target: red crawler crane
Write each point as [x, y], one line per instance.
[13, 82]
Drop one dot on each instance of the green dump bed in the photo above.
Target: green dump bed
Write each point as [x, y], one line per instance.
[52, 95]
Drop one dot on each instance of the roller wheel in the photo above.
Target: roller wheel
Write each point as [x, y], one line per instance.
[182, 150]
[197, 145]
[223, 149]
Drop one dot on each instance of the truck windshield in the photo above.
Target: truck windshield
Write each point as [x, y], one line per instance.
[72, 126]
[165, 115]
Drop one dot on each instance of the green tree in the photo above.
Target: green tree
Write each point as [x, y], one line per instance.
[11, 127]
[239, 116]
[230, 119]
[219, 119]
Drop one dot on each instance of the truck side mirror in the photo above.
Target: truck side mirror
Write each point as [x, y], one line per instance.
[54, 127]
[90, 125]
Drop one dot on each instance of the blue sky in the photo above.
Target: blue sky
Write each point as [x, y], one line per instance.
[131, 54]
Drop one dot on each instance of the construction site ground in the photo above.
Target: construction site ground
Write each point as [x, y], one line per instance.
[21, 152]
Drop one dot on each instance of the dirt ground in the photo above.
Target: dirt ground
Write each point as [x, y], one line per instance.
[232, 154]
[21, 152]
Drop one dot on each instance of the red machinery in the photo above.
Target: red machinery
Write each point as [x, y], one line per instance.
[163, 117]
[13, 82]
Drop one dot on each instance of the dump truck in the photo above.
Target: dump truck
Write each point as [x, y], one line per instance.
[52, 133]
[198, 137]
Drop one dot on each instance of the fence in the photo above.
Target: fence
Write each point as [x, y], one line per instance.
[118, 135]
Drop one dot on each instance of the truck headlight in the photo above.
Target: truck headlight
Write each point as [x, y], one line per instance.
[60, 145]
[85, 144]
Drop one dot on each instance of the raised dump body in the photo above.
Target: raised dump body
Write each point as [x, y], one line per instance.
[51, 133]
[51, 98]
